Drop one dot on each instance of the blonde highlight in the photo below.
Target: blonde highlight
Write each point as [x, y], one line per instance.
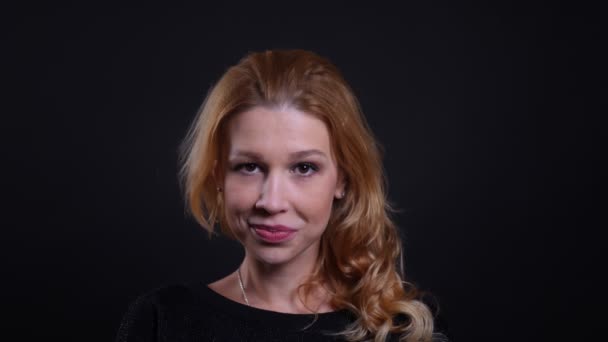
[360, 248]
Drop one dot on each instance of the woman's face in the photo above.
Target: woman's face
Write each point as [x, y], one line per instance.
[279, 184]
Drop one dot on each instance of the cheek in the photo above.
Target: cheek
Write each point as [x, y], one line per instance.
[239, 196]
[316, 200]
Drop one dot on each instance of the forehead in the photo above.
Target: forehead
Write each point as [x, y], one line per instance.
[274, 132]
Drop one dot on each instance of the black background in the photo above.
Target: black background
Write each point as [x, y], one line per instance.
[487, 114]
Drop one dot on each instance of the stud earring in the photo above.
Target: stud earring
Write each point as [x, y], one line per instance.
[219, 189]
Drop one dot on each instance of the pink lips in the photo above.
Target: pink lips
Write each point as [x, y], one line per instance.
[273, 234]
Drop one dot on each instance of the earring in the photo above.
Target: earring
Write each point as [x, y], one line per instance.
[219, 189]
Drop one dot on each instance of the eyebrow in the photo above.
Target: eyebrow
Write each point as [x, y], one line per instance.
[294, 155]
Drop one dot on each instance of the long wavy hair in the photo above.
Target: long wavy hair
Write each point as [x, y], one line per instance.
[361, 247]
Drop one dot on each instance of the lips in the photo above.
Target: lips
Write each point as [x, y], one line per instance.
[273, 234]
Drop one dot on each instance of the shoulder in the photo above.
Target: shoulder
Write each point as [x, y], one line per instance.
[162, 297]
[152, 308]
[169, 295]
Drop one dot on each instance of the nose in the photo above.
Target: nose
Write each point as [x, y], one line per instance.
[273, 195]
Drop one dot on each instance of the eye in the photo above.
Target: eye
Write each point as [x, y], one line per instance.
[247, 168]
[305, 169]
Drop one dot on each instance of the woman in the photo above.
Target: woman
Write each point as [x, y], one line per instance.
[281, 158]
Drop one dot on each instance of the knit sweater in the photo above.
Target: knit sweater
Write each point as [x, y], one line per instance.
[194, 312]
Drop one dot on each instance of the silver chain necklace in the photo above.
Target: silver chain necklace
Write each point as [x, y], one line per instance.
[238, 272]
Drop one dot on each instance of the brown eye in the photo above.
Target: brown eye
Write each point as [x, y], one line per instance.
[247, 168]
[305, 169]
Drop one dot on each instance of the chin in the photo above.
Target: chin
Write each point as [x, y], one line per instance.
[281, 255]
[271, 255]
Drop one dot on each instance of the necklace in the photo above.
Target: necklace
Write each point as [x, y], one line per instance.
[238, 272]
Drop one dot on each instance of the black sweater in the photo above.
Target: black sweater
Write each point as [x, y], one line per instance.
[194, 312]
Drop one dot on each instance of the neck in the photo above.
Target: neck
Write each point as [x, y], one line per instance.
[275, 287]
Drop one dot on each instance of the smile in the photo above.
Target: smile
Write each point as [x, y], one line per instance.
[273, 234]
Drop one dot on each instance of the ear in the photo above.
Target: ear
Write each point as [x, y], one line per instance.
[340, 186]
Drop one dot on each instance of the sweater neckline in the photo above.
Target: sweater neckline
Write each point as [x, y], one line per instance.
[327, 320]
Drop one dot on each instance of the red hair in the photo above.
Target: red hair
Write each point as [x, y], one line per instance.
[360, 248]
